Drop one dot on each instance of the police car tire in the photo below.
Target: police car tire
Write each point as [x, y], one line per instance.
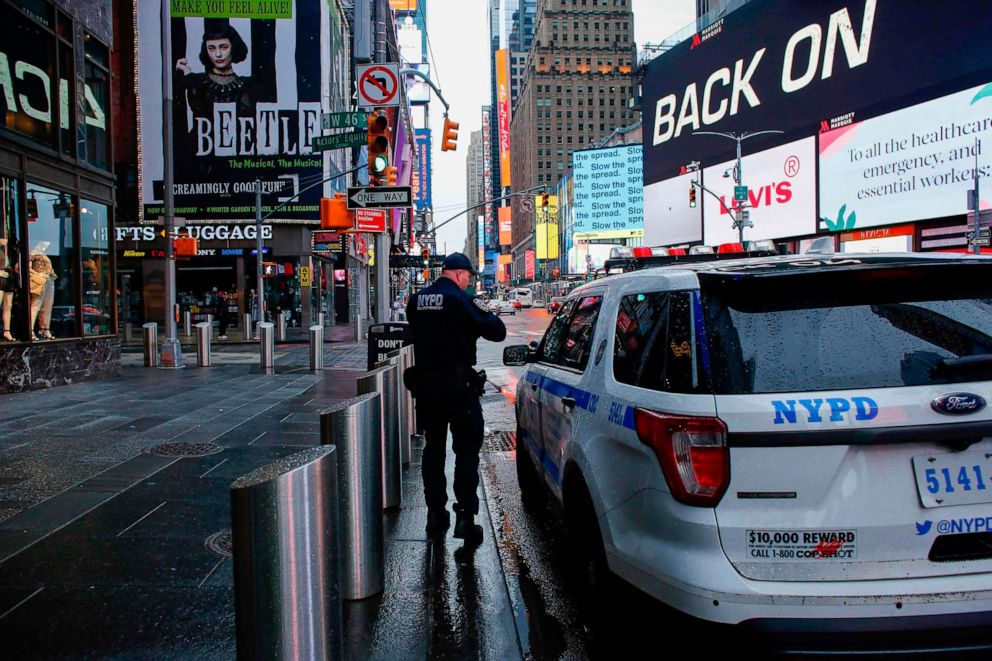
[528, 479]
[591, 569]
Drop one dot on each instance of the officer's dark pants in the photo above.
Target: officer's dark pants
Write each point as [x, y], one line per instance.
[464, 414]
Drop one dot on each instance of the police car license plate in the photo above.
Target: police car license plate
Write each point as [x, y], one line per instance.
[955, 478]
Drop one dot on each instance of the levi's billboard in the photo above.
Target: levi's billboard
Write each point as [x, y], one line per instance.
[798, 67]
[781, 195]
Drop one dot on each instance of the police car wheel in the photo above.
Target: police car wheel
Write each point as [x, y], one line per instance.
[528, 478]
[589, 564]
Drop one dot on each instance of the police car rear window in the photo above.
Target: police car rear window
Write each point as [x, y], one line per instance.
[854, 329]
[659, 342]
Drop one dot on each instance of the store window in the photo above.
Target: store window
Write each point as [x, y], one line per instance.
[30, 51]
[94, 243]
[11, 282]
[52, 253]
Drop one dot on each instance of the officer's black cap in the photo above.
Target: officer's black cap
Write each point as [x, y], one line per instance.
[456, 261]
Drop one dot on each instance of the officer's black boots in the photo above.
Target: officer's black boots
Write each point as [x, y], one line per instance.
[466, 528]
[437, 521]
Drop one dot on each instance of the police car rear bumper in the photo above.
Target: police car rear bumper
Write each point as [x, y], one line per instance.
[684, 567]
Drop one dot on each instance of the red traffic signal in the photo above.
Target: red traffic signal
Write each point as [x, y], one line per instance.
[334, 214]
[692, 195]
[449, 138]
[545, 200]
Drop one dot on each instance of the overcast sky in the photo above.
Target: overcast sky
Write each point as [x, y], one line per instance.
[459, 38]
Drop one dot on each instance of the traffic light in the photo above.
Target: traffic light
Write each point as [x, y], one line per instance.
[692, 196]
[32, 209]
[391, 175]
[185, 246]
[545, 200]
[378, 145]
[269, 270]
[426, 255]
[449, 137]
[334, 214]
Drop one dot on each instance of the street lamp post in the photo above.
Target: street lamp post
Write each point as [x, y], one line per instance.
[171, 350]
[739, 219]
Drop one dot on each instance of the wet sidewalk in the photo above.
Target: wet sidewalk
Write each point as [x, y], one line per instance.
[115, 519]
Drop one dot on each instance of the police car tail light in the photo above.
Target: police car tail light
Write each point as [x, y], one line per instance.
[692, 452]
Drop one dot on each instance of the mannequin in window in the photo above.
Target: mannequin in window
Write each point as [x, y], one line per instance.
[8, 284]
[42, 291]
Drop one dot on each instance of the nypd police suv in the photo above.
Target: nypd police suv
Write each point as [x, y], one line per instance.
[793, 443]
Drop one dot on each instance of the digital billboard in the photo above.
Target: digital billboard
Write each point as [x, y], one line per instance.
[487, 173]
[781, 195]
[503, 115]
[247, 103]
[546, 240]
[908, 165]
[608, 193]
[422, 170]
[529, 264]
[798, 66]
[481, 241]
[505, 225]
[668, 218]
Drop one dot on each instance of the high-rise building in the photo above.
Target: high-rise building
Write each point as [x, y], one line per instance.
[576, 91]
[473, 193]
[511, 29]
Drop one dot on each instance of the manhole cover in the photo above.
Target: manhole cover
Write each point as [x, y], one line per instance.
[500, 441]
[184, 449]
[220, 543]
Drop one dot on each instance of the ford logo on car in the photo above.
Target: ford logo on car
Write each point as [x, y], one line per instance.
[957, 403]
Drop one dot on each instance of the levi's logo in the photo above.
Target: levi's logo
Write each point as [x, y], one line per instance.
[790, 411]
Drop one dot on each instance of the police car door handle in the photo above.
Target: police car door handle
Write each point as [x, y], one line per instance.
[568, 401]
[533, 386]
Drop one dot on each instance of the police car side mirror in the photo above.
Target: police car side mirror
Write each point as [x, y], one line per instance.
[534, 344]
[518, 354]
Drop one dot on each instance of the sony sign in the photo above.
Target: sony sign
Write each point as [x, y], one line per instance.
[793, 65]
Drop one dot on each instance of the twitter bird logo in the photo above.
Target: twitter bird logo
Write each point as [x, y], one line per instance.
[924, 528]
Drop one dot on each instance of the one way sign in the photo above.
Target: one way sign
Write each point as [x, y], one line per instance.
[383, 197]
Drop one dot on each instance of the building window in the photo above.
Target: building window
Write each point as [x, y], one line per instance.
[96, 102]
[52, 255]
[94, 233]
[11, 249]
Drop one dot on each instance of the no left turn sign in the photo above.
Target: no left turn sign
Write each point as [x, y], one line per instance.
[378, 85]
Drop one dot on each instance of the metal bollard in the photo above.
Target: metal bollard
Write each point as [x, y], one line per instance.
[320, 319]
[406, 353]
[150, 331]
[266, 352]
[286, 539]
[281, 336]
[203, 344]
[356, 327]
[187, 323]
[247, 329]
[128, 331]
[385, 381]
[316, 348]
[210, 323]
[394, 358]
[352, 427]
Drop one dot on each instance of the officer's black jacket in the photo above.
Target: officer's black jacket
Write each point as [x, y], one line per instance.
[446, 324]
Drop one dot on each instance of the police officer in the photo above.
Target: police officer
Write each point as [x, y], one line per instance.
[446, 323]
